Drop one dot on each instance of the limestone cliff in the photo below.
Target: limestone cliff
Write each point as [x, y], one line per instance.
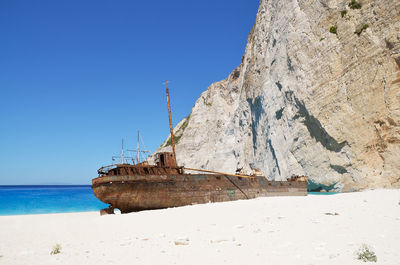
[317, 93]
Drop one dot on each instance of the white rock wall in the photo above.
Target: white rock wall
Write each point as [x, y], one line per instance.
[306, 101]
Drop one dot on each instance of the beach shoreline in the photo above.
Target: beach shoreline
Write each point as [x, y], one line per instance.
[312, 229]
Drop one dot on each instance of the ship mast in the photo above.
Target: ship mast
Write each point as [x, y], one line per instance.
[170, 121]
[139, 153]
[122, 156]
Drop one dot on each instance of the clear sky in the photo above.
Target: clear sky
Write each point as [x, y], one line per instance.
[78, 76]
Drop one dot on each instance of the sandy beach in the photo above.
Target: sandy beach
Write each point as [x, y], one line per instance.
[317, 229]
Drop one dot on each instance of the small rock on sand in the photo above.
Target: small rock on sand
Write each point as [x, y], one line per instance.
[181, 243]
[218, 240]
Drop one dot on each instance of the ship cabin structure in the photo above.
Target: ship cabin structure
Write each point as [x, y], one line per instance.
[165, 164]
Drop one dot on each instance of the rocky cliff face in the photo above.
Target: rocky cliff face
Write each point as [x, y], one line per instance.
[317, 93]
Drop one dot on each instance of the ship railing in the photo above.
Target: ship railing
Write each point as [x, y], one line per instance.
[106, 169]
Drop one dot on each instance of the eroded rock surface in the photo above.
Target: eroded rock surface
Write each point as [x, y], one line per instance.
[307, 101]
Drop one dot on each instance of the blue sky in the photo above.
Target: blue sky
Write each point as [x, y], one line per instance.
[77, 76]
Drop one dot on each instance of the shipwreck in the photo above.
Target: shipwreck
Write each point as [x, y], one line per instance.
[137, 186]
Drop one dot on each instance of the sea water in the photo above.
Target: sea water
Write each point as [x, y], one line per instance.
[16, 200]
[322, 193]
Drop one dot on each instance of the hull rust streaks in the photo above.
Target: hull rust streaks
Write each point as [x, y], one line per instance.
[131, 193]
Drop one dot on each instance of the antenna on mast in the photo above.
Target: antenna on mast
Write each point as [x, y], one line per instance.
[138, 149]
[170, 120]
[122, 153]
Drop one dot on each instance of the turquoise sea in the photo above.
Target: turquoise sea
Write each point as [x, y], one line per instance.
[16, 200]
[321, 193]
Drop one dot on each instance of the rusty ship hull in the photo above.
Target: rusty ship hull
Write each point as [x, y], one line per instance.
[131, 193]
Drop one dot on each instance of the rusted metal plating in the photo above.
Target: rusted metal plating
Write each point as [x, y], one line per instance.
[138, 192]
[145, 187]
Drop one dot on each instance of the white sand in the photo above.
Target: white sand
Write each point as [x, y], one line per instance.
[280, 230]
